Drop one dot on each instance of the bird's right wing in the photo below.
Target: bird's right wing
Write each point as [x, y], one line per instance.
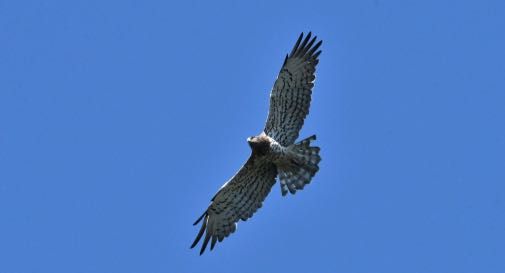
[237, 200]
[291, 94]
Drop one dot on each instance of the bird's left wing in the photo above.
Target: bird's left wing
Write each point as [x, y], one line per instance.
[237, 200]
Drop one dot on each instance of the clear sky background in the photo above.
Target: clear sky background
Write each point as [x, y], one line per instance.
[119, 120]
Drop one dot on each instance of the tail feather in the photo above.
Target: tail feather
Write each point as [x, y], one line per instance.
[303, 166]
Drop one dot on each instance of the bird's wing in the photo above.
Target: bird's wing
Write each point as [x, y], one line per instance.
[237, 200]
[290, 96]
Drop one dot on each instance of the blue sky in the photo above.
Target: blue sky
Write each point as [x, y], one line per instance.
[119, 120]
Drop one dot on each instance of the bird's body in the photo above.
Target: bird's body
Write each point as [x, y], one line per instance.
[274, 151]
[263, 145]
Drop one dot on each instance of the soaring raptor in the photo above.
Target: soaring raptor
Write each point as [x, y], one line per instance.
[274, 151]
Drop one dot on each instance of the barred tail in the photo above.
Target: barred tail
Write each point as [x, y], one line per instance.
[303, 166]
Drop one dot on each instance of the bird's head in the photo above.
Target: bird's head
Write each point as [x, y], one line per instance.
[251, 140]
[255, 142]
[259, 144]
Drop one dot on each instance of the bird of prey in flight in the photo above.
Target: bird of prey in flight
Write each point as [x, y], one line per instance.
[274, 151]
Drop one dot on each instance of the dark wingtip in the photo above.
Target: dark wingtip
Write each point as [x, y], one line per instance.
[295, 48]
[306, 40]
[213, 243]
[205, 242]
[199, 236]
[199, 218]
[308, 46]
[316, 47]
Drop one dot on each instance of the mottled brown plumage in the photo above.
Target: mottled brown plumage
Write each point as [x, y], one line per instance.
[273, 152]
